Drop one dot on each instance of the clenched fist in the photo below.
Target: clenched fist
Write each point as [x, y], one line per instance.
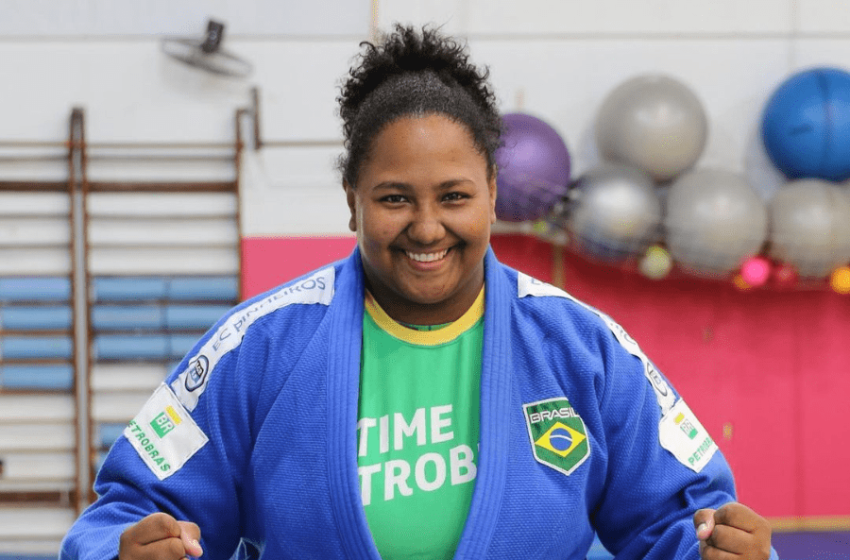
[733, 531]
[160, 537]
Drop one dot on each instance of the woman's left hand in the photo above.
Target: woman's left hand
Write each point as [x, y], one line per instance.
[734, 530]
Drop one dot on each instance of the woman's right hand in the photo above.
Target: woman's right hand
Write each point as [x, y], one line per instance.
[160, 537]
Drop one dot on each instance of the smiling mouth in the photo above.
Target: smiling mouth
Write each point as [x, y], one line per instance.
[427, 257]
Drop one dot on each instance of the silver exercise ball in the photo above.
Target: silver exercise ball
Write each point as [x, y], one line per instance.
[810, 226]
[654, 122]
[614, 212]
[714, 220]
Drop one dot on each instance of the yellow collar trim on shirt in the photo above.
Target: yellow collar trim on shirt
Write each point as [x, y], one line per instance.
[425, 338]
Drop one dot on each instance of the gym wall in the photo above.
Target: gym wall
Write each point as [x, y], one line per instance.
[763, 371]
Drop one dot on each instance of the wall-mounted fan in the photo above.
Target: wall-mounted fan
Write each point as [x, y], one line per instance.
[206, 53]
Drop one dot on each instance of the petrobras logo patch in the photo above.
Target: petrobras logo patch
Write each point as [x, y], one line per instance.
[682, 434]
[163, 434]
[558, 434]
[192, 382]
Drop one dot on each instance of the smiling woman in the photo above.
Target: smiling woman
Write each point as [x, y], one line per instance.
[422, 210]
[417, 400]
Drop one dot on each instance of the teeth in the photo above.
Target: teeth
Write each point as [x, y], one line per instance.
[427, 257]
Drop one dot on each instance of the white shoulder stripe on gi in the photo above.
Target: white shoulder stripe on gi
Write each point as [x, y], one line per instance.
[191, 383]
[528, 286]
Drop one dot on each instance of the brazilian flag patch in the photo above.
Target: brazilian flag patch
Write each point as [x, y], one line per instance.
[558, 436]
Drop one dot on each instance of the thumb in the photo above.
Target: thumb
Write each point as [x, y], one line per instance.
[704, 523]
[190, 534]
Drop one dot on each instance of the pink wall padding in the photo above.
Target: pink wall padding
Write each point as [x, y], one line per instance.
[767, 372]
[269, 261]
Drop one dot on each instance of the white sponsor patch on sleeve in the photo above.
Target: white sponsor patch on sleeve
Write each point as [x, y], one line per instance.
[528, 286]
[191, 383]
[164, 433]
[682, 435]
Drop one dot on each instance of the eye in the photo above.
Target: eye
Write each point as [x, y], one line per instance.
[455, 196]
[394, 198]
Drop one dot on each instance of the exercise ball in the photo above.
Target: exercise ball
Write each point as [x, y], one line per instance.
[534, 168]
[810, 227]
[806, 125]
[714, 221]
[613, 212]
[654, 122]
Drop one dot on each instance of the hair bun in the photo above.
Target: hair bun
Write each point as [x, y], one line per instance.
[396, 70]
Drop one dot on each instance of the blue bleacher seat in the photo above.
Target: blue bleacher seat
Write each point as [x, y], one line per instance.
[127, 317]
[193, 317]
[131, 347]
[37, 377]
[156, 317]
[28, 318]
[35, 289]
[181, 344]
[144, 288]
[35, 347]
[143, 346]
[204, 288]
[129, 288]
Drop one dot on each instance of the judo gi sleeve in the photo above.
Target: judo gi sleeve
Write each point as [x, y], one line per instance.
[663, 465]
[187, 463]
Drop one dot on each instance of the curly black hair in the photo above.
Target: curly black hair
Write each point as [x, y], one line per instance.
[415, 73]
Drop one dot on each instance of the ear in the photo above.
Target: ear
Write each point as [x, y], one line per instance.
[493, 188]
[351, 198]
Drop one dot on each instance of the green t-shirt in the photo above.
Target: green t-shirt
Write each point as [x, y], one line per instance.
[417, 431]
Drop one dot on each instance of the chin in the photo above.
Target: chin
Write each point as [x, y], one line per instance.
[426, 297]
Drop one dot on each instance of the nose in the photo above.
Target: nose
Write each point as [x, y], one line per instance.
[426, 226]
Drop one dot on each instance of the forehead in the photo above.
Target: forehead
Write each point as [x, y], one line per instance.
[431, 143]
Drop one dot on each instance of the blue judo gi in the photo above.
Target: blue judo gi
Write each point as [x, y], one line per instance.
[253, 437]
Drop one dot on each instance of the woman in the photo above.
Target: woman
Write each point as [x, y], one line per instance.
[419, 399]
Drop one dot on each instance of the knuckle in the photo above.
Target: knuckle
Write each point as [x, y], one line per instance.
[191, 528]
[162, 521]
[175, 548]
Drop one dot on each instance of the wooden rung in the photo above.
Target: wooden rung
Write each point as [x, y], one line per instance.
[38, 498]
[37, 362]
[30, 186]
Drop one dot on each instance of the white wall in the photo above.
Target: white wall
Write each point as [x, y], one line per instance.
[554, 58]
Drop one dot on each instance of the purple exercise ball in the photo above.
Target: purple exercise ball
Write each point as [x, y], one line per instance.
[534, 169]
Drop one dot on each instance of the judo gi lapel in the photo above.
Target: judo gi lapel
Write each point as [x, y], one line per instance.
[346, 337]
[495, 401]
[346, 334]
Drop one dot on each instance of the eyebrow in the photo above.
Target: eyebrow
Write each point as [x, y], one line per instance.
[406, 187]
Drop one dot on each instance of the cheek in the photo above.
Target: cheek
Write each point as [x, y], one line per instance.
[374, 238]
[478, 229]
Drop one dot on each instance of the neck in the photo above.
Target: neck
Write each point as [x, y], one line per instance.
[449, 310]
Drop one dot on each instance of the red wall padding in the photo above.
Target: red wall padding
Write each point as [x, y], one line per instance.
[767, 372]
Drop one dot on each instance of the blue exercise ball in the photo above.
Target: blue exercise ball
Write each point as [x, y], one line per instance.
[806, 125]
[534, 168]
